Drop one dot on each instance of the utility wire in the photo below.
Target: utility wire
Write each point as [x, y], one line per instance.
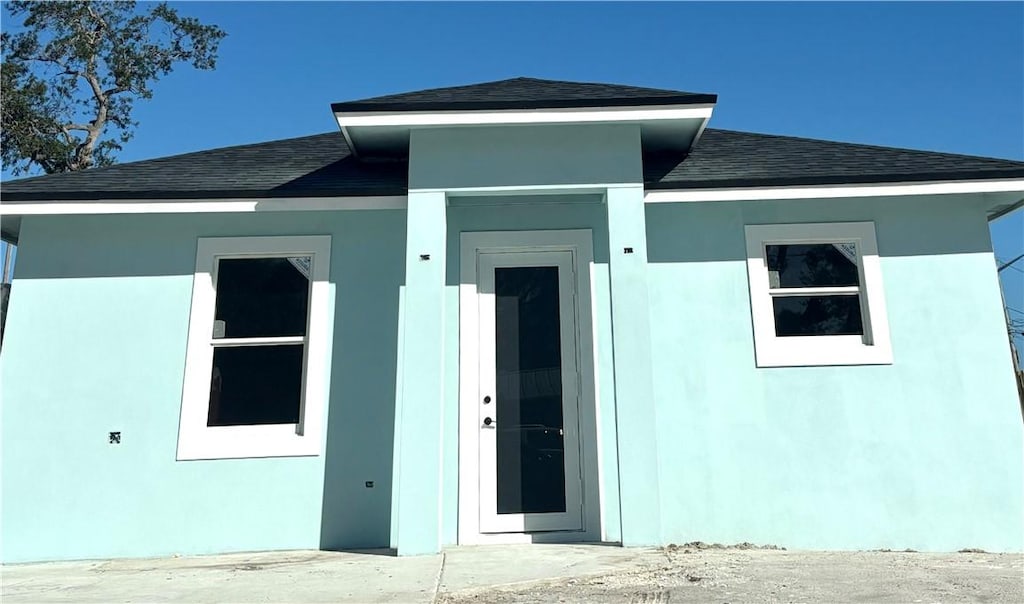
[1007, 264]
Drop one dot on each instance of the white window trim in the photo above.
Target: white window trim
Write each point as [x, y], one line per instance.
[873, 348]
[196, 440]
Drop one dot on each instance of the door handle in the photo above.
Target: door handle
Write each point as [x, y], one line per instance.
[488, 423]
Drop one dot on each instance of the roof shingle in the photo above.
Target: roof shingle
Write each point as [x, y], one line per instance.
[322, 166]
[525, 93]
[309, 166]
[726, 158]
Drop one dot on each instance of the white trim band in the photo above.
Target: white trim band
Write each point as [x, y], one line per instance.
[400, 202]
[814, 191]
[835, 191]
[357, 119]
[184, 206]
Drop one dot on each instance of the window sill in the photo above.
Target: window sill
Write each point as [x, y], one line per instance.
[238, 442]
[820, 351]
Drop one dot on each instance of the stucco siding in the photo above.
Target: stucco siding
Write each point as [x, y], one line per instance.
[925, 453]
[96, 343]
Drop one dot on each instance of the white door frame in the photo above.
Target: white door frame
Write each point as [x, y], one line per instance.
[580, 243]
[571, 518]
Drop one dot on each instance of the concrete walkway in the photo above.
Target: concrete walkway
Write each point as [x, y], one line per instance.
[528, 573]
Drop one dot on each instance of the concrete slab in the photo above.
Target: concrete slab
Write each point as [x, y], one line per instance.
[476, 566]
[528, 573]
[258, 577]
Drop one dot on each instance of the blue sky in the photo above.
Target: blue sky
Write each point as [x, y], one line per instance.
[942, 76]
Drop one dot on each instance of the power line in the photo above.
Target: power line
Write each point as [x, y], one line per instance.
[1008, 264]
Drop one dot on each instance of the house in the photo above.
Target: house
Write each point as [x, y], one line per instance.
[518, 311]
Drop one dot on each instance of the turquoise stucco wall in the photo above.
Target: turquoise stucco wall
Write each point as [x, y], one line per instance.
[508, 156]
[925, 453]
[637, 421]
[528, 157]
[419, 426]
[95, 343]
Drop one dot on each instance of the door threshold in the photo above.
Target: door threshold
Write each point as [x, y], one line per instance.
[554, 536]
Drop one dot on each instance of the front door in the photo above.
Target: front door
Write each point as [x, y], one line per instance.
[528, 393]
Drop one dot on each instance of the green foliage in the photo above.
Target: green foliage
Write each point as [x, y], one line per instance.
[75, 68]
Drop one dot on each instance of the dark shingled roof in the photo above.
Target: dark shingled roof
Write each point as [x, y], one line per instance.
[322, 166]
[525, 93]
[310, 166]
[725, 158]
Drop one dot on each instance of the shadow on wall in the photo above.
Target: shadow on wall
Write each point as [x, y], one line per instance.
[5, 295]
[9, 253]
[905, 226]
[361, 423]
[544, 213]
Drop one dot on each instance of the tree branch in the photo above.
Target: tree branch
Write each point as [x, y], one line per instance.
[94, 83]
[58, 123]
[102, 22]
[56, 62]
[84, 151]
[112, 91]
[67, 134]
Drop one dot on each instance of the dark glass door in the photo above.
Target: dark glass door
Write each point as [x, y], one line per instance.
[530, 443]
[528, 405]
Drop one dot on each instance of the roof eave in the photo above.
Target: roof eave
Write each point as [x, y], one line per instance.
[895, 187]
[839, 180]
[399, 106]
[386, 133]
[30, 197]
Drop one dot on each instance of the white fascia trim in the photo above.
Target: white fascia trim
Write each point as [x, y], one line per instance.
[522, 116]
[183, 206]
[700, 131]
[596, 188]
[836, 191]
[348, 141]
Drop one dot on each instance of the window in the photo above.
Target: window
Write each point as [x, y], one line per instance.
[255, 372]
[816, 295]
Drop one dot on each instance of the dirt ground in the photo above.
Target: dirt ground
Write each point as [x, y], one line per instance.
[758, 575]
[548, 573]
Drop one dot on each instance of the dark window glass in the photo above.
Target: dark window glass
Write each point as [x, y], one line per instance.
[817, 315]
[814, 265]
[261, 297]
[255, 385]
[530, 447]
